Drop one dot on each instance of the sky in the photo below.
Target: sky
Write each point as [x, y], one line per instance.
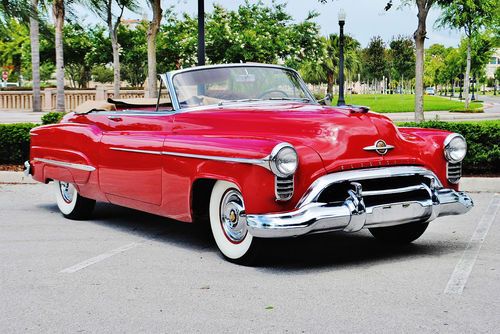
[364, 18]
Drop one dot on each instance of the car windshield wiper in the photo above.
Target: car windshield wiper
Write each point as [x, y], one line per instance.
[304, 99]
[236, 101]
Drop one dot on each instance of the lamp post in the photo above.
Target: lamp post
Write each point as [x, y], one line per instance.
[201, 32]
[460, 83]
[473, 88]
[341, 101]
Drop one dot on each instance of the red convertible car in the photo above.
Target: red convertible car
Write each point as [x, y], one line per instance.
[247, 147]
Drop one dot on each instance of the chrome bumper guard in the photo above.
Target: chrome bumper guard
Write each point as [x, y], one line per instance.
[27, 168]
[312, 216]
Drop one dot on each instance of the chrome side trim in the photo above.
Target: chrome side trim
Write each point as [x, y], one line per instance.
[135, 151]
[86, 168]
[263, 162]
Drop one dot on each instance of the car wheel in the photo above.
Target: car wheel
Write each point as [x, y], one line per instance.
[71, 204]
[399, 234]
[228, 224]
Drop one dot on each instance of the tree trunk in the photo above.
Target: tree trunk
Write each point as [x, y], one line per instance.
[467, 75]
[116, 64]
[58, 12]
[329, 87]
[419, 36]
[35, 57]
[154, 25]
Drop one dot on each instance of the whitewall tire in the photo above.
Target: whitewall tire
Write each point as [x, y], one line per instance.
[71, 204]
[228, 224]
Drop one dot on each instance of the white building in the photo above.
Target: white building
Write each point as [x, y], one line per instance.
[494, 64]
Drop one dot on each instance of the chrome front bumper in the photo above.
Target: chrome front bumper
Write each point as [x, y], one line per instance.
[312, 216]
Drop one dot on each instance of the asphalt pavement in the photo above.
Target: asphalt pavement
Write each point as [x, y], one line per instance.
[130, 272]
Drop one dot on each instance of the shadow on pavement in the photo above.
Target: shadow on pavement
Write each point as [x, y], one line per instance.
[335, 250]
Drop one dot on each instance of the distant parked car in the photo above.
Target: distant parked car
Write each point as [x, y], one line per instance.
[430, 91]
[4, 84]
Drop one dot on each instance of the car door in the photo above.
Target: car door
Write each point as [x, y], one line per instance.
[130, 156]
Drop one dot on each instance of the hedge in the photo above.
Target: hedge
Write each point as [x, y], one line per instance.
[15, 142]
[483, 140]
[483, 143]
[52, 117]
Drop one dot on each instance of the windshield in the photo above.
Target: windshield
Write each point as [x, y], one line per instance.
[222, 85]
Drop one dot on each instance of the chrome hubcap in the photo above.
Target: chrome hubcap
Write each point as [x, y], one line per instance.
[67, 191]
[232, 216]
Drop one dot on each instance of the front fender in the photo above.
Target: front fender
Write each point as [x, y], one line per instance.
[256, 183]
[430, 142]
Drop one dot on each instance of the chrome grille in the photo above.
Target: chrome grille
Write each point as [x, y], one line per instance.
[380, 191]
[454, 171]
[284, 188]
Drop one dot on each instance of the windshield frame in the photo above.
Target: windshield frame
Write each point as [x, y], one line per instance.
[168, 79]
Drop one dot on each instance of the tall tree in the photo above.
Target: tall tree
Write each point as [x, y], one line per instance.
[402, 54]
[104, 9]
[423, 7]
[27, 10]
[35, 56]
[324, 67]
[374, 59]
[58, 12]
[471, 16]
[152, 32]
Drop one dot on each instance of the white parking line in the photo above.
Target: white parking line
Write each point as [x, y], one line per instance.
[98, 258]
[464, 267]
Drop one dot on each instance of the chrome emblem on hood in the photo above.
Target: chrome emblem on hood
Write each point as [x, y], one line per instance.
[380, 147]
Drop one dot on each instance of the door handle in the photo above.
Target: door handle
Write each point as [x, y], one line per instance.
[115, 118]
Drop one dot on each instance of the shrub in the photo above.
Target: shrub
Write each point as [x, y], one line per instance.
[52, 118]
[15, 142]
[483, 142]
[102, 74]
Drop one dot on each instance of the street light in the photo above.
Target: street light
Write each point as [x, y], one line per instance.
[201, 32]
[473, 81]
[341, 101]
[460, 83]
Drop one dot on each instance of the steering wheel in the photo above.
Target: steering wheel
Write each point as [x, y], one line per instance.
[269, 91]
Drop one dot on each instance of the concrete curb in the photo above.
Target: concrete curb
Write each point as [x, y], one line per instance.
[7, 177]
[474, 184]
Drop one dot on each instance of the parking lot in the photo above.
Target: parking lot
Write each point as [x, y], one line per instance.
[127, 271]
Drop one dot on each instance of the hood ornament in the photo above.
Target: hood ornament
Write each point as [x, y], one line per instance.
[380, 147]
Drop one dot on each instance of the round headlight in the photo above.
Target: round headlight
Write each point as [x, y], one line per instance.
[455, 148]
[284, 160]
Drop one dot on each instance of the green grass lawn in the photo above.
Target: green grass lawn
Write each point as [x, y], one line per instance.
[492, 122]
[403, 103]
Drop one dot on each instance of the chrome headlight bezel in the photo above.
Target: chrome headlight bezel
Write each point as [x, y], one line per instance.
[281, 154]
[450, 147]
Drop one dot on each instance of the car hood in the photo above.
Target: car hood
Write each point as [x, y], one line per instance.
[340, 136]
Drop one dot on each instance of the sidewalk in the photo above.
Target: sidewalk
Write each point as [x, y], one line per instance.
[444, 116]
[11, 116]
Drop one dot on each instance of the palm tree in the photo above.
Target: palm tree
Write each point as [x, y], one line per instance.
[153, 28]
[58, 11]
[104, 9]
[23, 10]
[35, 56]
[325, 68]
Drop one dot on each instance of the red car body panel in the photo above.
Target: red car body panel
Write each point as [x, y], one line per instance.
[327, 140]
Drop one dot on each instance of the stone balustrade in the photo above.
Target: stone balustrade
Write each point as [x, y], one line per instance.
[23, 100]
